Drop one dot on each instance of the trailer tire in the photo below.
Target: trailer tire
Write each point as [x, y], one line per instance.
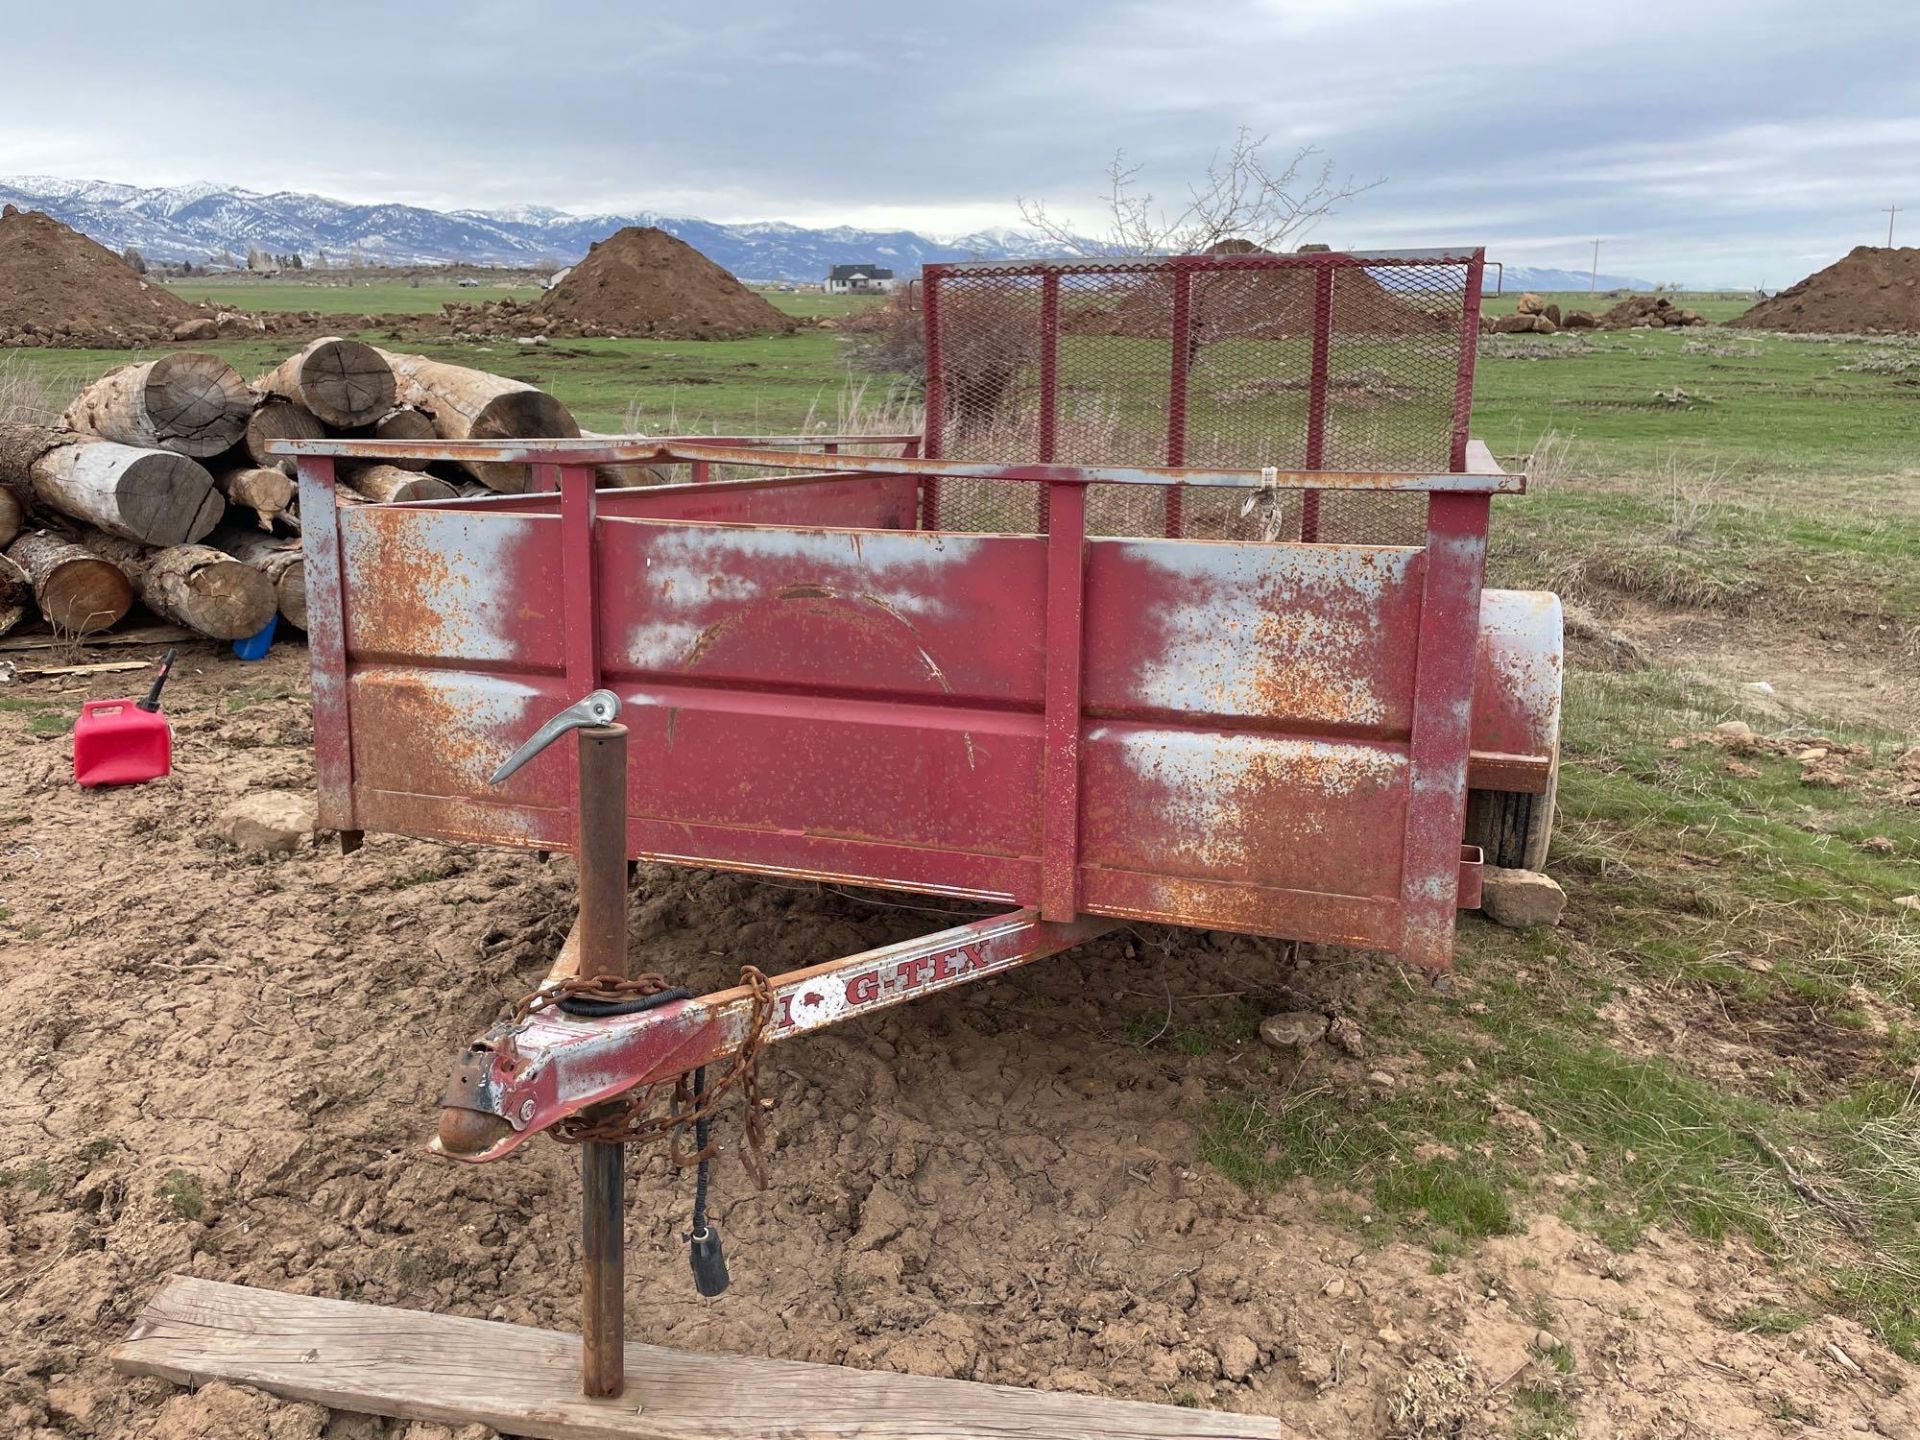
[1512, 828]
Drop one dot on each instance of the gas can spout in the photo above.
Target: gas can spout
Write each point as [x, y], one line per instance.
[152, 702]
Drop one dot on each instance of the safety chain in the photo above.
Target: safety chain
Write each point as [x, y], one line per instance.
[628, 1119]
[587, 987]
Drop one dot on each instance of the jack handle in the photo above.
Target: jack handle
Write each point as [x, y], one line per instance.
[602, 707]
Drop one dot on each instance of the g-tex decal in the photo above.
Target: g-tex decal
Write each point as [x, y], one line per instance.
[827, 998]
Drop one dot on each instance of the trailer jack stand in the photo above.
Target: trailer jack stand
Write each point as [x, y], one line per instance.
[601, 859]
[528, 1073]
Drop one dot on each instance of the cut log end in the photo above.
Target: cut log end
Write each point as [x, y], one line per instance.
[290, 593]
[267, 491]
[188, 402]
[82, 596]
[12, 516]
[404, 423]
[78, 591]
[345, 382]
[167, 499]
[282, 561]
[278, 418]
[518, 415]
[197, 404]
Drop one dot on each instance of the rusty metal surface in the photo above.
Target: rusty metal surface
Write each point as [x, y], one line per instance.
[601, 851]
[536, 1072]
[823, 679]
[1472, 877]
[1215, 734]
[1453, 564]
[610, 450]
[1518, 673]
[603, 1268]
[327, 646]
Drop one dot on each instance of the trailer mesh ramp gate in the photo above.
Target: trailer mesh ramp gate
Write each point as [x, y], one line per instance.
[1317, 360]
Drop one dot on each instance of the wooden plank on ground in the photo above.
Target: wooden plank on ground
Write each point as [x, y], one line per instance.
[42, 639]
[420, 1366]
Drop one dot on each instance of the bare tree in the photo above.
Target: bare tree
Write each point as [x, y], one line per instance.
[1241, 198]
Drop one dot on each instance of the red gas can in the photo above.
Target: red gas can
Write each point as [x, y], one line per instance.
[124, 742]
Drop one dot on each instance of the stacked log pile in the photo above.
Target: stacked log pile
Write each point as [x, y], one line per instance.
[158, 484]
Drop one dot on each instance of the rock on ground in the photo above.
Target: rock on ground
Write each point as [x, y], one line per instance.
[1521, 899]
[1293, 1029]
[268, 821]
[1238, 1356]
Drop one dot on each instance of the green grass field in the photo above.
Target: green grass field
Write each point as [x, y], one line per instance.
[337, 293]
[340, 296]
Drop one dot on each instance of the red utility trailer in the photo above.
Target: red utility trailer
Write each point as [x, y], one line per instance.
[1173, 613]
[1005, 663]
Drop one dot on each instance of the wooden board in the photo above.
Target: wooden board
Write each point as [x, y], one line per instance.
[521, 1381]
[43, 639]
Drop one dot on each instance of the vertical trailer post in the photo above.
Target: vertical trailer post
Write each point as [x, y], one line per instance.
[934, 410]
[603, 951]
[1317, 381]
[1182, 364]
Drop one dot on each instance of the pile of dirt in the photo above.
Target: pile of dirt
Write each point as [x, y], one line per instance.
[639, 282]
[1873, 291]
[1252, 305]
[57, 287]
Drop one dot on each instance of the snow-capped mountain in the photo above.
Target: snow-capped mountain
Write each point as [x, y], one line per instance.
[1534, 277]
[194, 222]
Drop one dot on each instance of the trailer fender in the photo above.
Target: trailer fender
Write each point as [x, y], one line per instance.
[1516, 687]
[1516, 726]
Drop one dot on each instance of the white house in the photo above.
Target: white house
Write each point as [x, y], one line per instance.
[858, 280]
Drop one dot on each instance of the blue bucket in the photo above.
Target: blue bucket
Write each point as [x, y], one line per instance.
[255, 646]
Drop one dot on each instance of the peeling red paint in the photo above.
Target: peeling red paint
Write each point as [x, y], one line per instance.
[1263, 737]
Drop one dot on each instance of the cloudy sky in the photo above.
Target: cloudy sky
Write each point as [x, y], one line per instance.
[1704, 141]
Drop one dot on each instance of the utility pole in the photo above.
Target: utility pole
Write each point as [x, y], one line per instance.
[1892, 210]
[1593, 275]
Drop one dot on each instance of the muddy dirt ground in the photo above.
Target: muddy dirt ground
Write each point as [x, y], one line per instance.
[225, 1065]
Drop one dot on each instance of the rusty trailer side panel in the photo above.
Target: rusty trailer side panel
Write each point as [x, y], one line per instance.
[874, 703]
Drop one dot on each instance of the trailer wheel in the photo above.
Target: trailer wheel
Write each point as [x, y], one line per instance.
[1512, 828]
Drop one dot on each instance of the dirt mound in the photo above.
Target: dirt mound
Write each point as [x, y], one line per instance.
[1251, 304]
[57, 287]
[1872, 291]
[644, 282]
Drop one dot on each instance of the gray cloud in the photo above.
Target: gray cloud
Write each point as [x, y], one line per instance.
[1705, 140]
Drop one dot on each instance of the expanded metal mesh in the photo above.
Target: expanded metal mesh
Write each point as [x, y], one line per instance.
[1315, 361]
